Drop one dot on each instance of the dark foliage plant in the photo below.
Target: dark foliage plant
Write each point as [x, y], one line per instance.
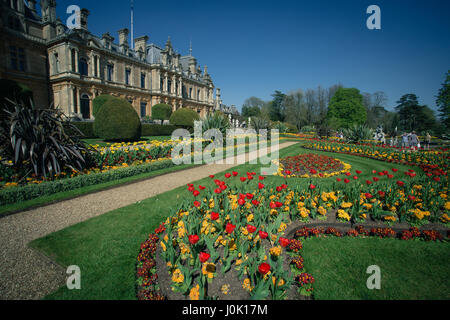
[36, 141]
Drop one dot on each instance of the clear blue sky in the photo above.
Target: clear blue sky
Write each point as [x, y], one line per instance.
[253, 48]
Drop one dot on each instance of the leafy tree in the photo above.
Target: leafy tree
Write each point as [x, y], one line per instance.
[161, 111]
[277, 108]
[346, 108]
[413, 116]
[248, 111]
[443, 101]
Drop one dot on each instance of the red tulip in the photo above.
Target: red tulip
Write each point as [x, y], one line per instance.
[288, 172]
[284, 186]
[338, 179]
[251, 229]
[203, 256]
[214, 216]
[355, 177]
[201, 187]
[358, 171]
[250, 177]
[394, 170]
[313, 171]
[376, 179]
[412, 198]
[278, 204]
[218, 190]
[264, 268]
[250, 196]
[193, 239]
[346, 180]
[243, 179]
[260, 186]
[261, 178]
[369, 182]
[272, 205]
[197, 204]
[241, 202]
[263, 235]
[211, 176]
[437, 179]
[230, 228]
[368, 196]
[227, 175]
[223, 187]
[400, 183]
[190, 189]
[312, 187]
[284, 242]
[195, 193]
[381, 193]
[235, 173]
[348, 174]
[390, 176]
[374, 171]
[255, 202]
[279, 189]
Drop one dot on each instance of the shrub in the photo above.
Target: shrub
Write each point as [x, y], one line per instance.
[291, 128]
[117, 121]
[36, 141]
[98, 103]
[260, 124]
[85, 127]
[161, 112]
[32, 191]
[216, 121]
[280, 126]
[184, 117]
[157, 130]
[15, 92]
[358, 133]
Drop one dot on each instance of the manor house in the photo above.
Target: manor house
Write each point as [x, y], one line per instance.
[70, 67]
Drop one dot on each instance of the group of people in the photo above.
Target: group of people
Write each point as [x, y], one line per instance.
[412, 141]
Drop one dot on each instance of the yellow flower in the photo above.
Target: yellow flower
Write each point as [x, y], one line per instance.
[177, 276]
[163, 246]
[447, 205]
[250, 218]
[209, 269]
[322, 211]
[346, 205]
[282, 227]
[194, 294]
[343, 215]
[275, 251]
[247, 285]
[225, 289]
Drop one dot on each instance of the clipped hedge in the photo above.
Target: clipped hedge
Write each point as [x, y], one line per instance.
[86, 127]
[161, 111]
[99, 101]
[157, 130]
[33, 191]
[117, 121]
[184, 117]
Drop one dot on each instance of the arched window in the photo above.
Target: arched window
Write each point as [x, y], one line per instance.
[83, 67]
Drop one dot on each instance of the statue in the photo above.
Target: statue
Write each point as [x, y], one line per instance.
[379, 135]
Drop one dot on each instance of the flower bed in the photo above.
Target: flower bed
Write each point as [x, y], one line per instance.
[224, 235]
[311, 166]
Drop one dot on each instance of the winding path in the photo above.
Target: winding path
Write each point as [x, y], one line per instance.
[28, 274]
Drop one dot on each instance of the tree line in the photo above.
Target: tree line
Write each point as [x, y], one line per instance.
[336, 108]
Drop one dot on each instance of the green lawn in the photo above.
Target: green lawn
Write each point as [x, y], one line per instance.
[409, 269]
[106, 247]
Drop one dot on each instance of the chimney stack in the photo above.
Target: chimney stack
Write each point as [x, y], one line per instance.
[84, 14]
[141, 43]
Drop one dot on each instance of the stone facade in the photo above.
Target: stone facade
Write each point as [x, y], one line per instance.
[72, 67]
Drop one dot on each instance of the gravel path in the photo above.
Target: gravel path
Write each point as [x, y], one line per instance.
[27, 274]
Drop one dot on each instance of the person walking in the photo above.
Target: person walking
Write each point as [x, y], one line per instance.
[427, 141]
[414, 141]
[404, 140]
